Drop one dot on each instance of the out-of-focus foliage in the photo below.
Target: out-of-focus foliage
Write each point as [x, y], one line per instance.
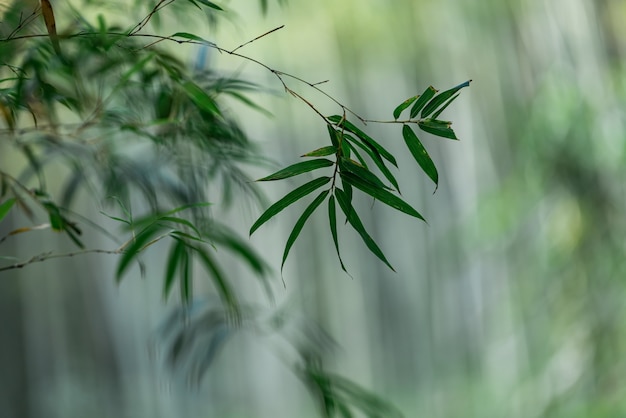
[102, 107]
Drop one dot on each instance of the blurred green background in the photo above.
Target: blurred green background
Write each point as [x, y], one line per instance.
[509, 303]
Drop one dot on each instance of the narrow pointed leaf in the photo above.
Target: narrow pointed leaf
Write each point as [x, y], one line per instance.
[360, 171]
[300, 224]
[298, 168]
[358, 154]
[437, 127]
[219, 279]
[48, 18]
[135, 247]
[381, 194]
[200, 98]
[173, 260]
[428, 94]
[408, 102]
[441, 99]
[332, 133]
[442, 108]
[363, 136]
[332, 220]
[420, 154]
[288, 199]
[186, 280]
[210, 4]
[356, 223]
[321, 152]
[192, 37]
[375, 156]
[5, 207]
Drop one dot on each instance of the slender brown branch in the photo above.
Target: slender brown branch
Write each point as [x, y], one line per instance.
[48, 256]
[258, 37]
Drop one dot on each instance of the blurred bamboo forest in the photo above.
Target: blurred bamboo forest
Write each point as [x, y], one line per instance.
[511, 302]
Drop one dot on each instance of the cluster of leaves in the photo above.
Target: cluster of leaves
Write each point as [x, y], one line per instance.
[348, 142]
[127, 119]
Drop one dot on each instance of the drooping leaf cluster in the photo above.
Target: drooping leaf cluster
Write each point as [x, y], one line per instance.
[355, 156]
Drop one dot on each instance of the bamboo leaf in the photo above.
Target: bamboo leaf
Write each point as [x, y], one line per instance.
[375, 156]
[288, 199]
[219, 279]
[381, 194]
[441, 98]
[360, 171]
[442, 108]
[135, 247]
[174, 258]
[408, 102]
[210, 4]
[5, 207]
[321, 152]
[437, 127]
[300, 224]
[343, 123]
[200, 98]
[354, 220]
[298, 168]
[48, 18]
[420, 154]
[191, 37]
[423, 99]
[332, 220]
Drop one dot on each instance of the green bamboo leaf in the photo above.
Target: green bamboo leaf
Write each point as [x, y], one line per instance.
[398, 110]
[423, 99]
[200, 98]
[358, 154]
[441, 98]
[219, 279]
[356, 223]
[332, 133]
[5, 207]
[135, 247]
[360, 171]
[54, 214]
[321, 152]
[288, 199]
[210, 4]
[437, 127]
[343, 123]
[442, 108]
[381, 194]
[300, 224]
[332, 220]
[186, 280]
[375, 156]
[420, 154]
[298, 168]
[174, 258]
[192, 37]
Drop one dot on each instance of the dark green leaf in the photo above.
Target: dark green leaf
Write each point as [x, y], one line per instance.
[174, 258]
[227, 294]
[321, 152]
[192, 37]
[422, 100]
[298, 168]
[358, 154]
[288, 199]
[420, 154]
[135, 247]
[408, 102]
[332, 133]
[441, 98]
[210, 4]
[375, 156]
[56, 220]
[381, 194]
[300, 224]
[442, 108]
[332, 219]
[200, 98]
[360, 171]
[186, 279]
[5, 207]
[363, 136]
[354, 220]
[437, 127]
